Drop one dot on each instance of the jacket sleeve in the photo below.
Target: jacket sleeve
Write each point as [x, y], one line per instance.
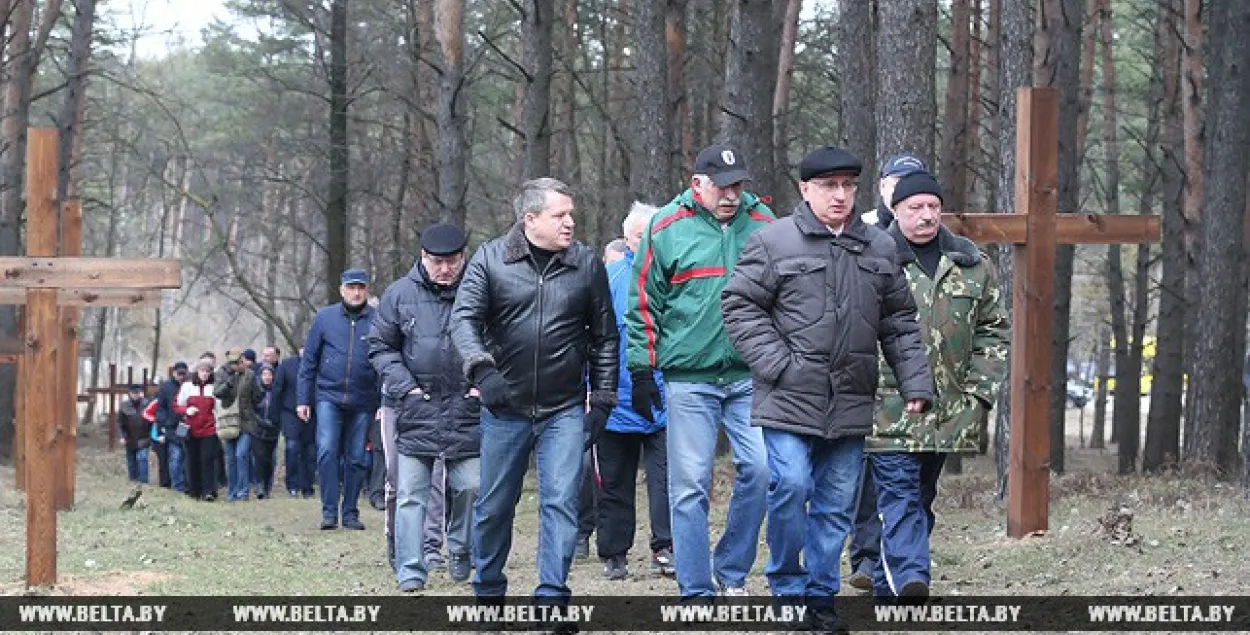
[469, 313]
[386, 346]
[648, 292]
[990, 343]
[747, 305]
[306, 384]
[605, 339]
[278, 391]
[901, 343]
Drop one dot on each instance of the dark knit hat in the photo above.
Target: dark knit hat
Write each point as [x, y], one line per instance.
[180, 366]
[828, 160]
[913, 184]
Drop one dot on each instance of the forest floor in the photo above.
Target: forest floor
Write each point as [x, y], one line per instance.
[1186, 537]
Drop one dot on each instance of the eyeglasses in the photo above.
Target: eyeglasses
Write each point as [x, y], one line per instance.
[833, 186]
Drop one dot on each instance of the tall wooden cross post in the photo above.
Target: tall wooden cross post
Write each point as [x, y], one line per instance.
[46, 279]
[1035, 228]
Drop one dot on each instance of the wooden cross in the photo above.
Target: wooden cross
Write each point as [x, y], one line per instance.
[48, 368]
[1035, 229]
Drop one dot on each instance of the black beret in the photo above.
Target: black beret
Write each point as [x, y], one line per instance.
[828, 160]
[913, 184]
[443, 240]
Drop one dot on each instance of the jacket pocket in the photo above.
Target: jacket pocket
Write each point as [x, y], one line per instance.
[860, 374]
[801, 293]
[873, 275]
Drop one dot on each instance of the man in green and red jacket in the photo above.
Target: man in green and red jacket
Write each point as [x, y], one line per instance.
[673, 324]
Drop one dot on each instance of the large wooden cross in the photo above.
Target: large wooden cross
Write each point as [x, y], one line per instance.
[1035, 229]
[48, 368]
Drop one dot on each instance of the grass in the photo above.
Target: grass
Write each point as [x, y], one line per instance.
[1185, 536]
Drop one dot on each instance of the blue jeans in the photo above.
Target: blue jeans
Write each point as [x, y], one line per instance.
[177, 468]
[137, 464]
[301, 465]
[695, 412]
[506, 446]
[811, 505]
[906, 486]
[341, 432]
[238, 455]
[413, 482]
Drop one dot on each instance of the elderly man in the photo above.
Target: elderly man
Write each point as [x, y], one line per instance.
[533, 322]
[894, 168]
[966, 336]
[335, 369]
[811, 299]
[436, 410]
[674, 325]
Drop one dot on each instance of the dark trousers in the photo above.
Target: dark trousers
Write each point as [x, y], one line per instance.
[906, 487]
[377, 471]
[203, 459]
[162, 464]
[619, 455]
[262, 457]
[587, 498]
[866, 542]
[301, 464]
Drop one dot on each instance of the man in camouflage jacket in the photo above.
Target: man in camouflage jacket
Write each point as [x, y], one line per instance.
[965, 334]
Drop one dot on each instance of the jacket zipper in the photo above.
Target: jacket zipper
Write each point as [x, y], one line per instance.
[538, 346]
[347, 373]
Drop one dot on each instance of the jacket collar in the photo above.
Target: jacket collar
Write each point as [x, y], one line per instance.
[365, 311]
[516, 247]
[421, 277]
[746, 202]
[856, 231]
[960, 250]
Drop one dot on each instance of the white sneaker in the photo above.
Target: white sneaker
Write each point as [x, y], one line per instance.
[734, 591]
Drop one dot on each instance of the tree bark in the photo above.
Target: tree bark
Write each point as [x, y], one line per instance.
[451, 160]
[976, 154]
[1163, 425]
[651, 152]
[1217, 390]
[564, 136]
[1014, 51]
[536, 26]
[1056, 63]
[785, 194]
[1192, 114]
[955, 122]
[679, 110]
[906, 61]
[858, 98]
[1098, 433]
[338, 239]
[750, 81]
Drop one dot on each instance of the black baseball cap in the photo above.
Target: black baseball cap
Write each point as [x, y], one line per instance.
[723, 164]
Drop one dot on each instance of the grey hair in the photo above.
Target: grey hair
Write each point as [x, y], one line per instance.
[617, 246]
[638, 213]
[533, 196]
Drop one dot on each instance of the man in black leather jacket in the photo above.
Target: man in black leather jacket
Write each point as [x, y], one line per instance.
[533, 320]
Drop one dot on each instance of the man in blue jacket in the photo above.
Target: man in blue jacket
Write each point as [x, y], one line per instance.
[335, 368]
[300, 437]
[167, 421]
[628, 435]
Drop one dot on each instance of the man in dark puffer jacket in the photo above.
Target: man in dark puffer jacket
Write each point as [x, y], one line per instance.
[436, 410]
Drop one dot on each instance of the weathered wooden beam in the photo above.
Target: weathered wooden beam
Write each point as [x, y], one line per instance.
[123, 298]
[11, 349]
[1070, 229]
[43, 334]
[91, 273]
[67, 368]
[1033, 284]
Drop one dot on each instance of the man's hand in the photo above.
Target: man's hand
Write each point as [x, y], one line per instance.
[493, 389]
[915, 406]
[192, 410]
[160, 439]
[646, 394]
[303, 412]
[596, 423]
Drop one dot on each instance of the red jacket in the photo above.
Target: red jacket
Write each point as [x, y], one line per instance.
[193, 393]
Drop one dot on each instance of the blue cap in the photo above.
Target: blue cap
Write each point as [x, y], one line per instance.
[355, 276]
[249, 354]
[901, 165]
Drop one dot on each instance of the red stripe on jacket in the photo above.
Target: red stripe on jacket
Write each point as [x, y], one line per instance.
[684, 212]
[697, 272]
[648, 325]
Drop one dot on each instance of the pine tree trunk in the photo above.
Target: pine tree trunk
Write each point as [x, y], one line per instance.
[955, 126]
[1098, 432]
[1163, 426]
[450, 157]
[651, 150]
[1192, 113]
[906, 58]
[338, 239]
[682, 133]
[1057, 63]
[785, 194]
[1217, 390]
[858, 124]
[1013, 25]
[536, 26]
[750, 81]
